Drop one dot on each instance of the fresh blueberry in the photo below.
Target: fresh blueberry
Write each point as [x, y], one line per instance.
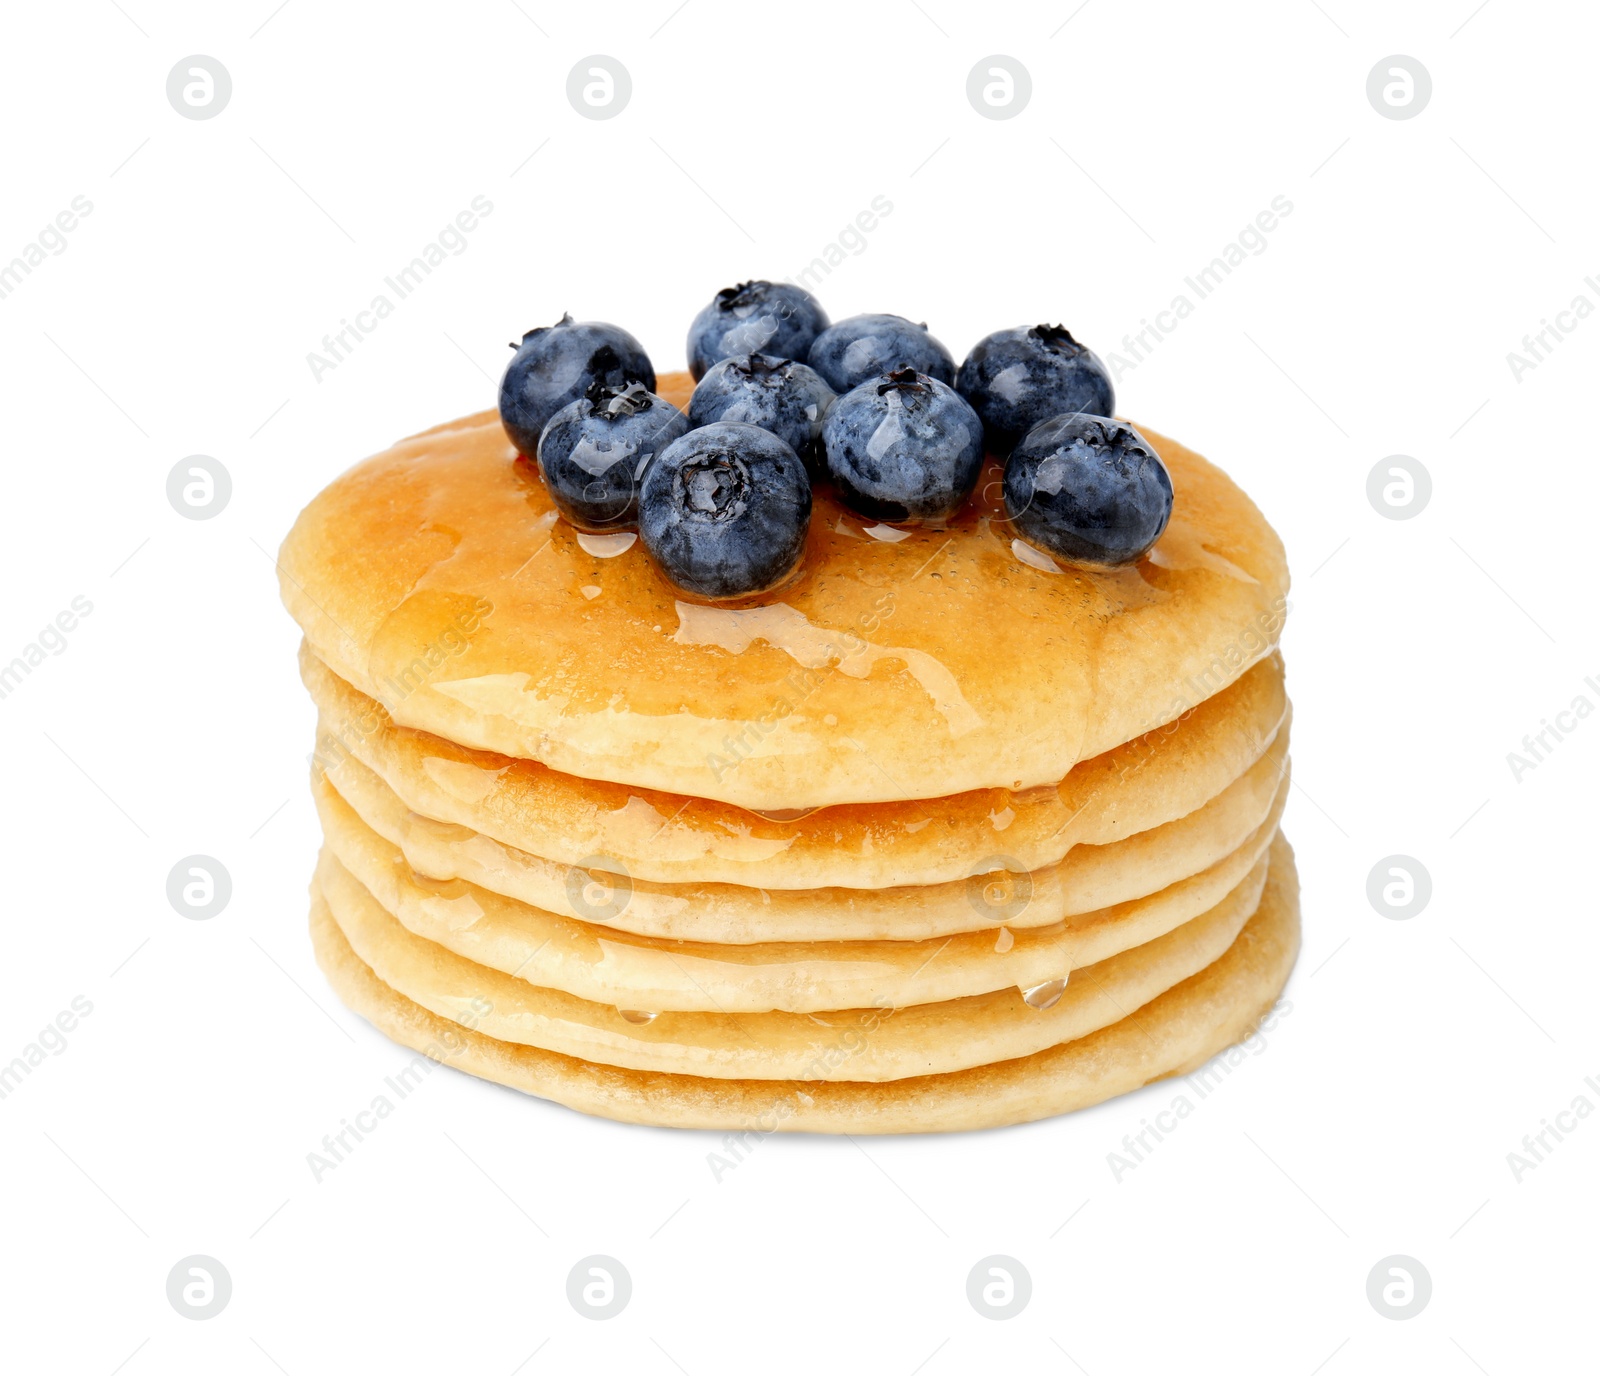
[594, 451]
[1017, 378]
[773, 318]
[1088, 489]
[777, 394]
[724, 510]
[868, 346]
[903, 448]
[557, 364]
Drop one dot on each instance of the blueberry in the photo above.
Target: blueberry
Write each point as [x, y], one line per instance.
[594, 452]
[868, 346]
[903, 448]
[773, 318]
[1017, 378]
[557, 364]
[777, 394]
[1088, 489]
[724, 509]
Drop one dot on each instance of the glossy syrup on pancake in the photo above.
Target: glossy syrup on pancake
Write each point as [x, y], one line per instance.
[900, 664]
[731, 914]
[668, 837]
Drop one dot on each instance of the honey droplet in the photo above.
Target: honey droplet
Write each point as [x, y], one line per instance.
[606, 546]
[1034, 558]
[1046, 995]
[890, 535]
[1005, 941]
[637, 1018]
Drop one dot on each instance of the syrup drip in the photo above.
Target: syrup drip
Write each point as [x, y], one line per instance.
[890, 535]
[606, 546]
[1046, 995]
[1035, 558]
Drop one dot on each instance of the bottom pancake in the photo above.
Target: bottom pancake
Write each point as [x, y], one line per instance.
[1172, 1034]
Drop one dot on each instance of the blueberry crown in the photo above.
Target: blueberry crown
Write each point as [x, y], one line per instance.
[759, 366]
[715, 486]
[613, 403]
[905, 380]
[729, 297]
[1103, 434]
[566, 319]
[1057, 337]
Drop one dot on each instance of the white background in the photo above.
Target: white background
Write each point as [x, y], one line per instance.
[1377, 321]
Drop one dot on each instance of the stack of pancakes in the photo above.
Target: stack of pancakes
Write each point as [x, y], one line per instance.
[940, 836]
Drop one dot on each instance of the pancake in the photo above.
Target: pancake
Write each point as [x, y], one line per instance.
[437, 578]
[1174, 1033]
[890, 1043]
[731, 916]
[1155, 778]
[941, 836]
[641, 973]
[1089, 878]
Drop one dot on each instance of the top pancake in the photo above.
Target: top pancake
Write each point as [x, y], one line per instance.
[438, 578]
